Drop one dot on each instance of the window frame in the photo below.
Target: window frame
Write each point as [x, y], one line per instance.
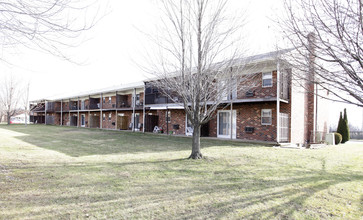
[263, 74]
[262, 116]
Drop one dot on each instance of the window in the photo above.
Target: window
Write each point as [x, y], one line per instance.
[109, 116]
[137, 100]
[266, 117]
[227, 89]
[104, 99]
[109, 100]
[168, 116]
[267, 79]
[104, 117]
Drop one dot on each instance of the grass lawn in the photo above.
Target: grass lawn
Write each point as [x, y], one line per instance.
[69, 173]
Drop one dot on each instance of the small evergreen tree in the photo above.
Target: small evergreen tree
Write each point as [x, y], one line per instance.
[339, 128]
[347, 125]
[343, 128]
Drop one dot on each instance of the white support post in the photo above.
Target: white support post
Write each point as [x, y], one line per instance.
[143, 112]
[133, 110]
[101, 114]
[278, 103]
[45, 113]
[89, 111]
[116, 112]
[78, 112]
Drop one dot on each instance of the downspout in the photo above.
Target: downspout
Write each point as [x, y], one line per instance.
[231, 114]
[278, 103]
[101, 107]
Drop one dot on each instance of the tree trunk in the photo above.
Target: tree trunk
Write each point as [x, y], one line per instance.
[8, 117]
[196, 154]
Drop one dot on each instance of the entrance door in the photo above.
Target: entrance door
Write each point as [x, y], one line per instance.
[224, 124]
[188, 127]
[83, 121]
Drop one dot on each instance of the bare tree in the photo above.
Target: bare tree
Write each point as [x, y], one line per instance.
[2, 113]
[48, 25]
[196, 62]
[10, 96]
[328, 36]
[25, 101]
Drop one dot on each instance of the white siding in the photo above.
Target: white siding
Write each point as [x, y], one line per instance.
[297, 112]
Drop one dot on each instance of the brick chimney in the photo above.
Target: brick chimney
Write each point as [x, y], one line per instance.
[310, 97]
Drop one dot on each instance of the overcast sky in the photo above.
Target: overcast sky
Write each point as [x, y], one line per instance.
[116, 44]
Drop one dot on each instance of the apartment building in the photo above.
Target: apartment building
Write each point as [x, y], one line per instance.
[277, 109]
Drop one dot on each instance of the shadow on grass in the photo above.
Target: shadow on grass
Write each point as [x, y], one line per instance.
[207, 196]
[78, 142]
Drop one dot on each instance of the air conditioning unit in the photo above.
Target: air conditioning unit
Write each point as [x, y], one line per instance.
[250, 93]
[249, 130]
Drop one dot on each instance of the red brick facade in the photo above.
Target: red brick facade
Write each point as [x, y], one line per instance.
[248, 108]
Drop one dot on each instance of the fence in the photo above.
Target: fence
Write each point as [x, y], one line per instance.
[356, 135]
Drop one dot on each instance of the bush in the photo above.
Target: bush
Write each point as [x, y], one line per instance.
[338, 138]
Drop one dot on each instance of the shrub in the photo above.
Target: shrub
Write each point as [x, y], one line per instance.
[338, 138]
[343, 128]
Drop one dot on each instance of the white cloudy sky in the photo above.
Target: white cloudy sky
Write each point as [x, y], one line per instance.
[116, 44]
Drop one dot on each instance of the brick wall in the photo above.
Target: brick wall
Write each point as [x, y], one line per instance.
[259, 91]
[177, 118]
[249, 115]
[108, 105]
[109, 124]
[65, 106]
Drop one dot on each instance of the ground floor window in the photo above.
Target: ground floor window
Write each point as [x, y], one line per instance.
[266, 117]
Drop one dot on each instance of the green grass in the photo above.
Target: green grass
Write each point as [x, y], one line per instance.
[67, 173]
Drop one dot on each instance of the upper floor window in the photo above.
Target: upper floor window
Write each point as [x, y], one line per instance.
[109, 116]
[137, 99]
[267, 79]
[104, 99]
[266, 117]
[109, 100]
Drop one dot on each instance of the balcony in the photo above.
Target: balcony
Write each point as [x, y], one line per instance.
[50, 107]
